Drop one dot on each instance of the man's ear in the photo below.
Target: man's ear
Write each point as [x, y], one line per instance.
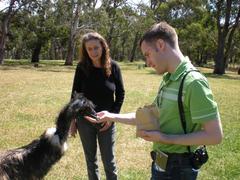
[160, 43]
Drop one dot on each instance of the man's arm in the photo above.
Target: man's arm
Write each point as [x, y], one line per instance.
[103, 116]
[210, 134]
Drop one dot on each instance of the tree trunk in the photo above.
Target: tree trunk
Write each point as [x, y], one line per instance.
[229, 44]
[70, 53]
[224, 37]
[51, 50]
[2, 47]
[110, 33]
[205, 58]
[222, 33]
[219, 58]
[18, 54]
[71, 43]
[121, 55]
[3, 39]
[4, 33]
[133, 52]
[112, 16]
[36, 53]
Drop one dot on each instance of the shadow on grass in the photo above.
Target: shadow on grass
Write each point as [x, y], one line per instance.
[211, 75]
[224, 76]
[45, 66]
[58, 66]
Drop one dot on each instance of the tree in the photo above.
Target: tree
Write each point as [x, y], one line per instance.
[8, 13]
[76, 9]
[227, 18]
[42, 27]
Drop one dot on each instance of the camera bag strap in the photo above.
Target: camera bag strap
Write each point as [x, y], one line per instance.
[180, 104]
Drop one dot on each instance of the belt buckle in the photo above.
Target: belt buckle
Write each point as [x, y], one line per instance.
[161, 160]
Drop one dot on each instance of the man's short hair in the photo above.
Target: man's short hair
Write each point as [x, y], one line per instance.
[162, 31]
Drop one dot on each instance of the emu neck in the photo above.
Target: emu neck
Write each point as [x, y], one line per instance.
[63, 123]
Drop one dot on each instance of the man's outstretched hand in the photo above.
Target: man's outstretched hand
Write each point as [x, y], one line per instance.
[102, 116]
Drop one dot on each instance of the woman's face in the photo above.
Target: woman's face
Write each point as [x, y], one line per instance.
[94, 49]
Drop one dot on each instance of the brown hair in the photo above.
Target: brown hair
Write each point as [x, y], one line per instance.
[105, 59]
[163, 31]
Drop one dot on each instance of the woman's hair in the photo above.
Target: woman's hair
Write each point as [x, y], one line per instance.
[85, 60]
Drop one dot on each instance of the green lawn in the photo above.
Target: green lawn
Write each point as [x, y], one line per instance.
[31, 98]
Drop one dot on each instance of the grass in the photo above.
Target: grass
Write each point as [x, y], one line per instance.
[31, 98]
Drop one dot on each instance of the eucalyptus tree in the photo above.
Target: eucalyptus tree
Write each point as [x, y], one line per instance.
[6, 15]
[234, 54]
[128, 36]
[196, 30]
[110, 7]
[187, 17]
[141, 20]
[42, 27]
[227, 14]
[19, 40]
[108, 19]
[121, 36]
[78, 8]
[61, 15]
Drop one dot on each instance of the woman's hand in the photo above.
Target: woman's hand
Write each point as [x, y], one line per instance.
[106, 125]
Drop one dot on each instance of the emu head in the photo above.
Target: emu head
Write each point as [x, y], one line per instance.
[78, 106]
[81, 106]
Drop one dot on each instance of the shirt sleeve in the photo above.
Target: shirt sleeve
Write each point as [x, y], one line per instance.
[119, 92]
[77, 81]
[201, 103]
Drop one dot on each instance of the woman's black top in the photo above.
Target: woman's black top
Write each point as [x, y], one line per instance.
[107, 93]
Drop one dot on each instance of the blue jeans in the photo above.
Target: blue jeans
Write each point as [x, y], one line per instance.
[89, 136]
[178, 168]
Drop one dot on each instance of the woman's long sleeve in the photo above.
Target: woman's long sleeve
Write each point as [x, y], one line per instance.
[77, 82]
[119, 92]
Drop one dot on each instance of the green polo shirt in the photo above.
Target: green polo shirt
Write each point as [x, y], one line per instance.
[198, 103]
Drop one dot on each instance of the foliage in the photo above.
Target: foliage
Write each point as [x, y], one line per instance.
[122, 23]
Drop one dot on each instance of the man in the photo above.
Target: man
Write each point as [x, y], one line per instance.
[160, 47]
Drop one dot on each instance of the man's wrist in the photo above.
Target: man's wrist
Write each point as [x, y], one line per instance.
[111, 117]
[166, 139]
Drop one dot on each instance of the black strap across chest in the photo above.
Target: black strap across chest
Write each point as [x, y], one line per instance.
[180, 104]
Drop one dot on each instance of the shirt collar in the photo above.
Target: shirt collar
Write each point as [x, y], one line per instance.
[181, 69]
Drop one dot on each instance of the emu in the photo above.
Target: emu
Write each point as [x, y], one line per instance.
[33, 161]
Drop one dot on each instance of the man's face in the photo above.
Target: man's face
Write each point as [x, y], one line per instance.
[154, 56]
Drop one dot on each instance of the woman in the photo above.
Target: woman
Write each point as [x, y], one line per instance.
[100, 79]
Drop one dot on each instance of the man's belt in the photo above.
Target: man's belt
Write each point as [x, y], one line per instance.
[162, 158]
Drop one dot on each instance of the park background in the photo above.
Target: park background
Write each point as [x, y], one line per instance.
[39, 42]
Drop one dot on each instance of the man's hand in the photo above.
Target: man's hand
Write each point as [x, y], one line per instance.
[153, 136]
[210, 134]
[105, 116]
[102, 116]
